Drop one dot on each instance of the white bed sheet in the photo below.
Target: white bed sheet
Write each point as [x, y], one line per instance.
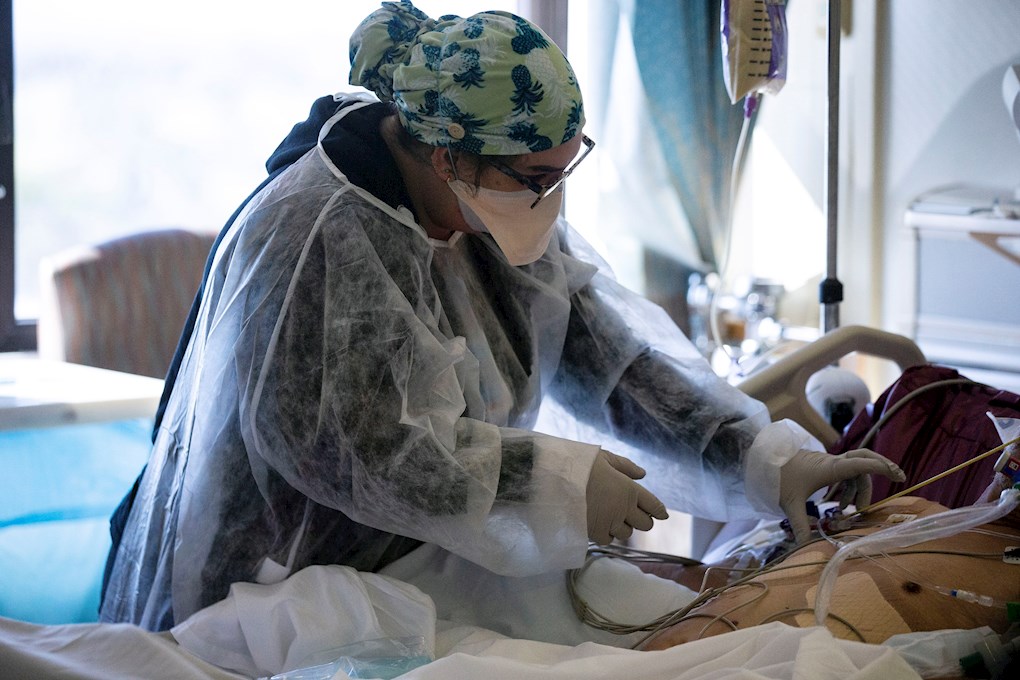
[326, 607]
[95, 651]
[772, 651]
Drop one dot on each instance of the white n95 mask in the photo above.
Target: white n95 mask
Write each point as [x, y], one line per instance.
[521, 232]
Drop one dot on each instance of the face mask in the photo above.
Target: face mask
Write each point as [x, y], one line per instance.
[522, 233]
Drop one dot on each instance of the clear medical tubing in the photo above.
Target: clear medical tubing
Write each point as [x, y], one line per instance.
[928, 528]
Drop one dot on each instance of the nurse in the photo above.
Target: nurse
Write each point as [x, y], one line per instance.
[391, 318]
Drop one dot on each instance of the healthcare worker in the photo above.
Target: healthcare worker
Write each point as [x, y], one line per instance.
[384, 320]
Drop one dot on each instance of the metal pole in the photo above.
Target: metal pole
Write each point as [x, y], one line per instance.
[830, 292]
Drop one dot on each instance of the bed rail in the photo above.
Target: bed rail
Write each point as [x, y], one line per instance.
[781, 386]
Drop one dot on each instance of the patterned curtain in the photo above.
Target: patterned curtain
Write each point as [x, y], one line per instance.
[677, 46]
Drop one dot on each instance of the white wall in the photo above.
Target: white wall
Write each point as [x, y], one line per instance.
[940, 119]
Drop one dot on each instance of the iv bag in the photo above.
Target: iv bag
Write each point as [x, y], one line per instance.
[754, 47]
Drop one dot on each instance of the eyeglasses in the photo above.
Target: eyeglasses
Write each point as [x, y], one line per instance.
[543, 190]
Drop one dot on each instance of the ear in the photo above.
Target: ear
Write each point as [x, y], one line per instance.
[441, 163]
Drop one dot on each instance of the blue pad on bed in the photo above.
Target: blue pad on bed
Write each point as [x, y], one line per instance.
[58, 488]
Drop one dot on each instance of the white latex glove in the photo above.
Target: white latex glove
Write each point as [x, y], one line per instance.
[809, 471]
[616, 503]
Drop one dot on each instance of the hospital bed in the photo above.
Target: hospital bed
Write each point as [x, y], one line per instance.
[260, 630]
[782, 386]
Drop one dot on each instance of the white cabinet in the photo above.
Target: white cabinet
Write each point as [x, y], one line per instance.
[967, 293]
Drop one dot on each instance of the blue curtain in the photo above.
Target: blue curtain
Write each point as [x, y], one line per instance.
[678, 48]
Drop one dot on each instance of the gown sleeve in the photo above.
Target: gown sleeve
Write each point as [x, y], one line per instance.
[629, 372]
[354, 395]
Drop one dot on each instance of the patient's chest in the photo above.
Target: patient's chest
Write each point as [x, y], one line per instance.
[875, 597]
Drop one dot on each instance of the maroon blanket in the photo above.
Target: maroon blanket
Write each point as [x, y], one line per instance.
[932, 432]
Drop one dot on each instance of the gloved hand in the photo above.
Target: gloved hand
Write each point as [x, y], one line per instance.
[809, 471]
[616, 503]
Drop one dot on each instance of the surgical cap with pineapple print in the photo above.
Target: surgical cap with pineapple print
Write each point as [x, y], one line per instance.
[490, 84]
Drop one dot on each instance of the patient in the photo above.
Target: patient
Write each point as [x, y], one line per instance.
[875, 597]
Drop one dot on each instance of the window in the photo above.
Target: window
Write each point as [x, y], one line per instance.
[127, 118]
[9, 337]
[122, 119]
[629, 209]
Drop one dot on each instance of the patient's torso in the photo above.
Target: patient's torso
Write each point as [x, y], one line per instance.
[878, 596]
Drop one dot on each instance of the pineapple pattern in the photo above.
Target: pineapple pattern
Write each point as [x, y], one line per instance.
[490, 84]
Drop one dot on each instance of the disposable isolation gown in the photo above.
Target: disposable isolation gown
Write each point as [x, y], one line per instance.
[353, 388]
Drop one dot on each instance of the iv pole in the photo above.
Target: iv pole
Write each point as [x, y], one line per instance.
[830, 291]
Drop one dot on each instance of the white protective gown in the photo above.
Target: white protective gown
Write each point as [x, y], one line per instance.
[353, 388]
